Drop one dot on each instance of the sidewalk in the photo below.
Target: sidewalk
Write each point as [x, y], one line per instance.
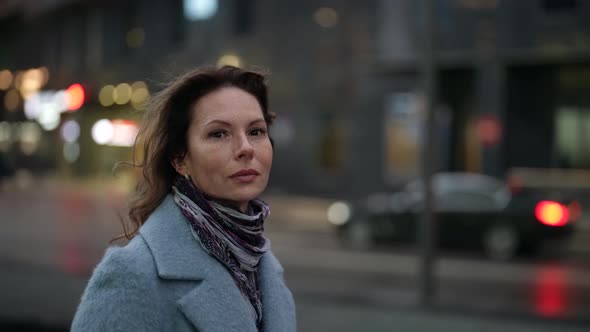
[314, 315]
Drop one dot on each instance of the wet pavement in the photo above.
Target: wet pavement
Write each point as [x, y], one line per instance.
[52, 235]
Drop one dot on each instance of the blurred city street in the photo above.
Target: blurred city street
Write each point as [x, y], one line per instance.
[430, 165]
[53, 234]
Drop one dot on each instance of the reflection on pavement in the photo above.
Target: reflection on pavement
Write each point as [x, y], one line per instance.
[551, 294]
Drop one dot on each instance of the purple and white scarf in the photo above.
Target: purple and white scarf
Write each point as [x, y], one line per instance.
[236, 239]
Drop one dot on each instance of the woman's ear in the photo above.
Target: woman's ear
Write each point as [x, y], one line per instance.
[179, 164]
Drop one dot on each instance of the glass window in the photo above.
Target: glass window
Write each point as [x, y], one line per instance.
[466, 202]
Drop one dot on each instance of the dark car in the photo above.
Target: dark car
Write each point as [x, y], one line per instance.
[471, 211]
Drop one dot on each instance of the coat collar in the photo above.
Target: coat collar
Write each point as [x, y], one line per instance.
[178, 256]
[176, 253]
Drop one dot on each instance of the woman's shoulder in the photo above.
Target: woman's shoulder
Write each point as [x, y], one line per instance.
[126, 262]
[122, 282]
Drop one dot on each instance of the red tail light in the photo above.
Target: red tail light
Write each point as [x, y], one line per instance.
[551, 213]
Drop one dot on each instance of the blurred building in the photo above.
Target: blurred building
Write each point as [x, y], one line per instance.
[512, 76]
[345, 81]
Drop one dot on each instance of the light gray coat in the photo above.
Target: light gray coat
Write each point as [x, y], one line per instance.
[163, 280]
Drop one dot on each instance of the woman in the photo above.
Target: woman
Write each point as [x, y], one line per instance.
[198, 259]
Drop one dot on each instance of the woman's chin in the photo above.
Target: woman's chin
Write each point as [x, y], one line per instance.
[240, 197]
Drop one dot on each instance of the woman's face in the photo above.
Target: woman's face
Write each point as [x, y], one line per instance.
[229, 154]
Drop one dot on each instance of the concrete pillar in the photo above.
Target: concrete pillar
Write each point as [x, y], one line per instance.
[490, 93]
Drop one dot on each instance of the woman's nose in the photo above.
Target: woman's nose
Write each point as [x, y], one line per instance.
[244, 147]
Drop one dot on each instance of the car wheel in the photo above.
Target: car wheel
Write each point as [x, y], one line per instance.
[501, 242]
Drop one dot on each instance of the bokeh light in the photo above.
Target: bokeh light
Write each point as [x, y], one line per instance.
[135, 37]
[229, 60]
[122, 94]
[71, 151]
[124, 132]
[140, 91]
[117, 132]
[45, 75]
[46, 107]
[102, 131]
[30, 136]
[70, 131]
[339, 213]
[49, 117]
[18, 79]
[31, 82]
[106, 96]
[12, 100]
[74, 97]
[5, 136]
[33, 107]
[196, 10]
[5, 79]
[326, 17]
[140, 95]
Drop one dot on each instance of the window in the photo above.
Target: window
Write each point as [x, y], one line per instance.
[465, 202]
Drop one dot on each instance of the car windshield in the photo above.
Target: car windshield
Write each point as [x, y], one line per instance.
[445, 185]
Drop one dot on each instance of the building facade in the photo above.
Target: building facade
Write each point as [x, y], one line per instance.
[345, 81]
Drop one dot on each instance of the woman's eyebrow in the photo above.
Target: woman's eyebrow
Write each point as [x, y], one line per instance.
[216, 121]
[257, 120]
[225, 123]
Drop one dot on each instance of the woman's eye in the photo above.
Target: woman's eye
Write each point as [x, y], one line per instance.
[258, 132]
[217, 134]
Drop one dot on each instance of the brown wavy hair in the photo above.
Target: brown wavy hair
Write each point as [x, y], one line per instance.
[163, 132]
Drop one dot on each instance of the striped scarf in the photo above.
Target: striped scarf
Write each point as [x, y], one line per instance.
[233, 237]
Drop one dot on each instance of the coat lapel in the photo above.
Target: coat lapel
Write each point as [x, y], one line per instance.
[278, 307]
[178, 256]
[176, 253]
[208, 309]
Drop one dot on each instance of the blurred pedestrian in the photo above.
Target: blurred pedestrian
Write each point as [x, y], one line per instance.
[198, 258]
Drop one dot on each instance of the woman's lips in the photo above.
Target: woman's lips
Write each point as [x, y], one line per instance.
[245, 178]
[245, 175]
